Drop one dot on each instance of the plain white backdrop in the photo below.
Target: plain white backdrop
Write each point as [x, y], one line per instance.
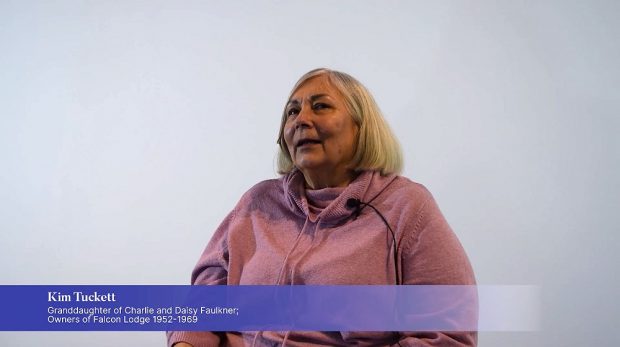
[129, 129]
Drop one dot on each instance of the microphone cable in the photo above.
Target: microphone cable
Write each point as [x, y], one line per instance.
[359, 205]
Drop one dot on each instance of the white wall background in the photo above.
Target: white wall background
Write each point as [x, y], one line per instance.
[128, 129]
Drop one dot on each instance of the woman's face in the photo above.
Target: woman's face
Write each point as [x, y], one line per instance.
[319, 132]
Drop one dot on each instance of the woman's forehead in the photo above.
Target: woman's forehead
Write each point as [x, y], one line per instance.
[314, 88]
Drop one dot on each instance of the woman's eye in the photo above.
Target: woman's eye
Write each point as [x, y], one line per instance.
[320, 106]
[292, 112]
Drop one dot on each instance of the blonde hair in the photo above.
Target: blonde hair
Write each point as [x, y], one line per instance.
[377, 147]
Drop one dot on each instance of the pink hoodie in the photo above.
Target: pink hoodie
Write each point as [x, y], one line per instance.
[276, 236]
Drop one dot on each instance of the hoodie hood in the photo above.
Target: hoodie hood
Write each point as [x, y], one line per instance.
[365, 187]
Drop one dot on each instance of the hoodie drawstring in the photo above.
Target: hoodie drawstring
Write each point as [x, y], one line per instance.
[285, 338]
[306, 251]
[280, 277]
[288, 254]
[294, 267]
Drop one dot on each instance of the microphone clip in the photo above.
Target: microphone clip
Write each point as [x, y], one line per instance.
[355, 204]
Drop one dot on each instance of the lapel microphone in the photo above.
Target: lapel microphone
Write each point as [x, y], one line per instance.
[355, 204]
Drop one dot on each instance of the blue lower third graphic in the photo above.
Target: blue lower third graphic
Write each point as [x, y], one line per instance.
[238, 308]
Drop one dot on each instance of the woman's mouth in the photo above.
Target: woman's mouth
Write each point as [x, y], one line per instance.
[306, 143]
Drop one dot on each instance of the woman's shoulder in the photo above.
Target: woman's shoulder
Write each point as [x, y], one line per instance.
[403, 188]
[409, 200]
[262, 192]
[265, 187]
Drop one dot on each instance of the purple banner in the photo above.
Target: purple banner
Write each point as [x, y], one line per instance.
[239, 308]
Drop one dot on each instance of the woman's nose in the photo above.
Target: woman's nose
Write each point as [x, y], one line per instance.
[304, 118]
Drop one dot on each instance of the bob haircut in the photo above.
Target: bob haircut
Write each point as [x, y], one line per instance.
[377, 148]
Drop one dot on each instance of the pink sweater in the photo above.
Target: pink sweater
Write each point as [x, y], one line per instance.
[275, 236]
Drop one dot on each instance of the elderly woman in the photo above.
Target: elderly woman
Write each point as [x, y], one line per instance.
[339, 215]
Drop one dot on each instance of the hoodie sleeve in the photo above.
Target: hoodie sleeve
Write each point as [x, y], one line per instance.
[211, 269]
[433, 255]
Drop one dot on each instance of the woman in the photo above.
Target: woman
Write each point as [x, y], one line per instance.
[324, 221]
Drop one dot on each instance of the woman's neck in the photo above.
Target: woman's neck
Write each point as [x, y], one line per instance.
[320, 180]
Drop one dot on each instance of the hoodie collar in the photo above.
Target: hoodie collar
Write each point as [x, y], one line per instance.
[365, 187]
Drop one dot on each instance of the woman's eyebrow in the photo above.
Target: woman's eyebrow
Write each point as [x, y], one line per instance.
[312, 98]
[317, 96]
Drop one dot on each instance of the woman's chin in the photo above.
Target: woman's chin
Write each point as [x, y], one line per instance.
[309, 164]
